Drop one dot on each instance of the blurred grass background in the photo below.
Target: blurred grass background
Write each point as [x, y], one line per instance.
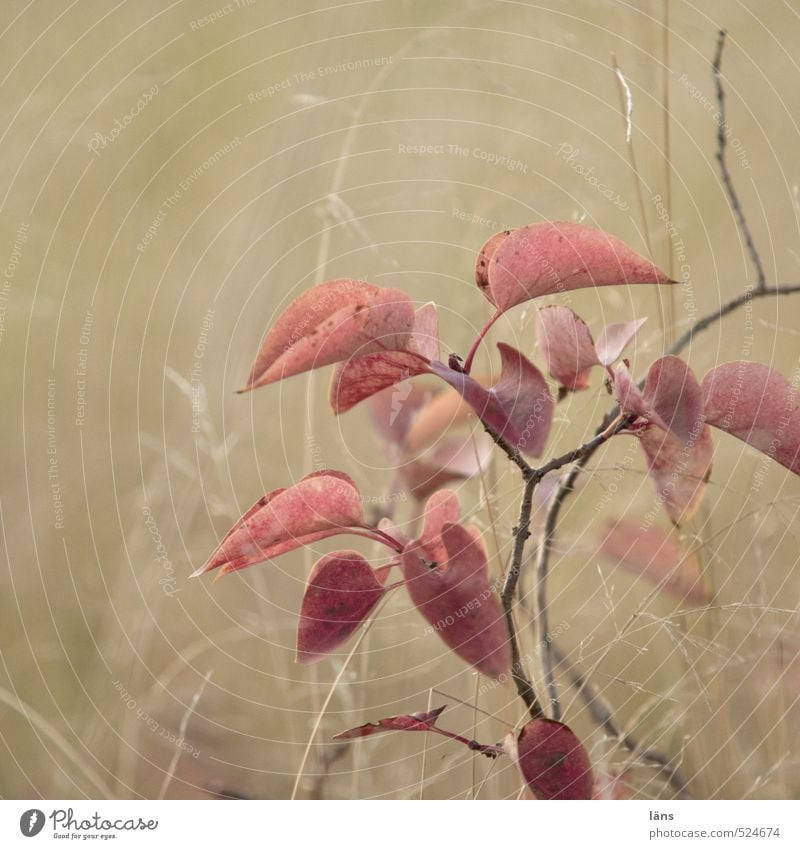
[143, 264]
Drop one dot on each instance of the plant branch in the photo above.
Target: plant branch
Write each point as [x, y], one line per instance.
[520, 534]
[567, 483]
[722, 143]
[750, 294]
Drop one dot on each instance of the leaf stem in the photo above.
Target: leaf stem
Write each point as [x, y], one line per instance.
[475, 345]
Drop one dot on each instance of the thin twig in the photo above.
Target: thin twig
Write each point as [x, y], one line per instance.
[749, 294]
[520, 534]
[722, 143]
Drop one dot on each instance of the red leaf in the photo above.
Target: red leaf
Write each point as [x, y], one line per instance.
[484, 259]
[680, 470]
[519, 407]
[552, 760]
[758, 405]
[455, 597]
[674, 395]
[423, 721]
[443, 508]
[629, 398]
[342, 591]
[657, 556]
[676, 442]
[320, 505]
[362, 376]
[569, 350]
[546, 258]
[566, 345]
[330, 323]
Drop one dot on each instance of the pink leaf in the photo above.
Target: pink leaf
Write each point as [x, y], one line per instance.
[443, 508]
[320, 505]
[546, 258]
[342, 591]
[519, 407]
[629, 398]
[758, 405]
[676, 442]
[680, 470]
[484, 260]
[657, 556]
[614, 338]
[360, 377]
[455, 597]
[552, 760]
[566, 345]
[423, 721]
[330, 323]
[674, 395]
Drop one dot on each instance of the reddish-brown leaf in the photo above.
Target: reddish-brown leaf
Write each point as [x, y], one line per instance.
[519, 407]
[758, 405]
[680, 470]
[674, 395]
[455, 596]
[484, 259]
[330, 323]
[547, 258]
[342, 591]
[566, 346]
[657, 556]
[552, 760]
[360, 377]
[676, 442]
[423, 721]
[320, 505]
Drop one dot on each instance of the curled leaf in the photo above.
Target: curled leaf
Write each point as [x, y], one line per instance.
[566, 345]
[615, 338]
[569, 350]
[680, 470]
[551, 257]
[422, 721]
[455, 596]
[360, 377]
[758, 405]
[518, 408]
[674, 437]
[657, 556]
[342, 591]
[552, 760]
[320, 505]
[330, 323]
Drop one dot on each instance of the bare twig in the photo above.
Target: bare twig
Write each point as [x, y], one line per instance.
[722, 143]
[521, 533]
